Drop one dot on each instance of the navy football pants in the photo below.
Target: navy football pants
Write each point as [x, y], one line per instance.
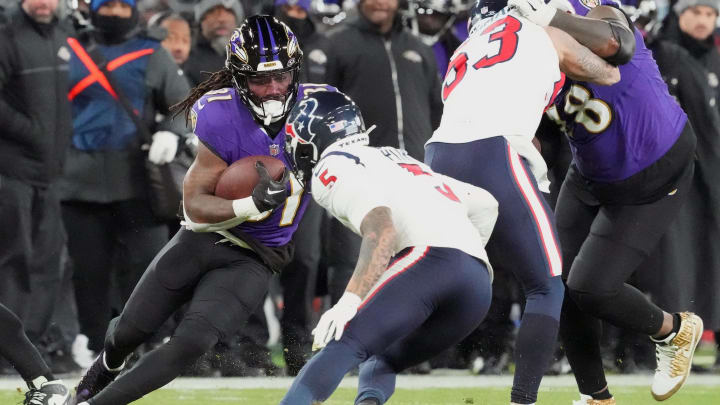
[428, 299]
[524, 241]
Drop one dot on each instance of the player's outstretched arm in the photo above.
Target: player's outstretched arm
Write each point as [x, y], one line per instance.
[579, 63]
[604, 30]
[199, 201]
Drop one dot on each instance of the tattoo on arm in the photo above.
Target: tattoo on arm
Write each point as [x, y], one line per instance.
[592, 68]
[590, 63]
[375, 251]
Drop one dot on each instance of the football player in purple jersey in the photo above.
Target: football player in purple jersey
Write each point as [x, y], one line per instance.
[633, 152]
[221, 260]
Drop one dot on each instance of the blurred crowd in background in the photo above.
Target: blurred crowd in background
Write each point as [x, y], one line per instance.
[389, 56]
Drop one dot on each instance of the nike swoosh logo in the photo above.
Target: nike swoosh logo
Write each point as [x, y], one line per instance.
[274, 192]
[201, 105]
[531, 6]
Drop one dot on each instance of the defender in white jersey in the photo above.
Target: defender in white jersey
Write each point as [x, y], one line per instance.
[422, 280]
[498, 84]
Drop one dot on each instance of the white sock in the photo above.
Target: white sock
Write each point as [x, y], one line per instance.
[37, 382]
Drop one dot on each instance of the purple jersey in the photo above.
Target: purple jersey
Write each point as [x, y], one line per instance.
[616, 131]
[225, 125]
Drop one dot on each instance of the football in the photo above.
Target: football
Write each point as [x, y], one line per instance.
[240, 178]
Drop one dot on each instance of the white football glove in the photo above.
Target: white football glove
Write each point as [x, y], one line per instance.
[164, 147]
[534, 10]
[332, 323]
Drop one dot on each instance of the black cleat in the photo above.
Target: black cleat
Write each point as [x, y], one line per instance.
[49, 393]
[95, 380]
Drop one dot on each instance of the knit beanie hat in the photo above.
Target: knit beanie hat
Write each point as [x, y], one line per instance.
[95, 4]
[683, 5]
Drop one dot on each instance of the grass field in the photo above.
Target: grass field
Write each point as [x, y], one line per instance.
[447, 387]
[692, 395]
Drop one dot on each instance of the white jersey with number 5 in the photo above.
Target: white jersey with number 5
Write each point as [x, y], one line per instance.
[499, 82]
[428, 209]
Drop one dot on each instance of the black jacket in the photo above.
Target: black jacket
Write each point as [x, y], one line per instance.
[381, 73]
[688, 258]
[691, 70]
[202, 58]
[35, 117]
[314, 46]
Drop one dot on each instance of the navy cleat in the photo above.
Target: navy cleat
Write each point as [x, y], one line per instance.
[96, 379]
[49, 393]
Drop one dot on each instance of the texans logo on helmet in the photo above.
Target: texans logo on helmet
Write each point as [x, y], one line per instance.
[306, 117]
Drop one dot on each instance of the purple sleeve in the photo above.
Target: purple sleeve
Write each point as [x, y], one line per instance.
[582, 7]
[210, 126]
[308, 88]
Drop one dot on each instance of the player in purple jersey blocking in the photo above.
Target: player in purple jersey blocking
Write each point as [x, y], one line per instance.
[222, 259]
[632, 165]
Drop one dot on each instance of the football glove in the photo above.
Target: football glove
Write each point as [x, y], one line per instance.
[534, 10]
[332, 323]
[269, 193]
[163, 148]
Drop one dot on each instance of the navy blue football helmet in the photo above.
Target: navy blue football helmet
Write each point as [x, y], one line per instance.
[264, 47]
[318, 121]
[484, 9]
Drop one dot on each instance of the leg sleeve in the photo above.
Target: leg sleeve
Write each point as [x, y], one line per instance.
[17, 349]
[165, 286]
[220, 305]
[579, 332]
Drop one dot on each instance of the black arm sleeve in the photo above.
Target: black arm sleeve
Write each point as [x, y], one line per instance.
[625, 38]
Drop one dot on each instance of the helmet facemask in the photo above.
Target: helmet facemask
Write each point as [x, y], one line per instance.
[303, 156]
[270, 110]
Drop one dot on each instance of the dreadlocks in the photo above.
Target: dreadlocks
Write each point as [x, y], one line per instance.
[218, 80]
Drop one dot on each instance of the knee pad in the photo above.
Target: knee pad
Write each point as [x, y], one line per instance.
[195, 336]
[594, 303]
[546, 299]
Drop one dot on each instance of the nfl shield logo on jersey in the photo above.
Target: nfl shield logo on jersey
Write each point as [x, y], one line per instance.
[274, 150]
